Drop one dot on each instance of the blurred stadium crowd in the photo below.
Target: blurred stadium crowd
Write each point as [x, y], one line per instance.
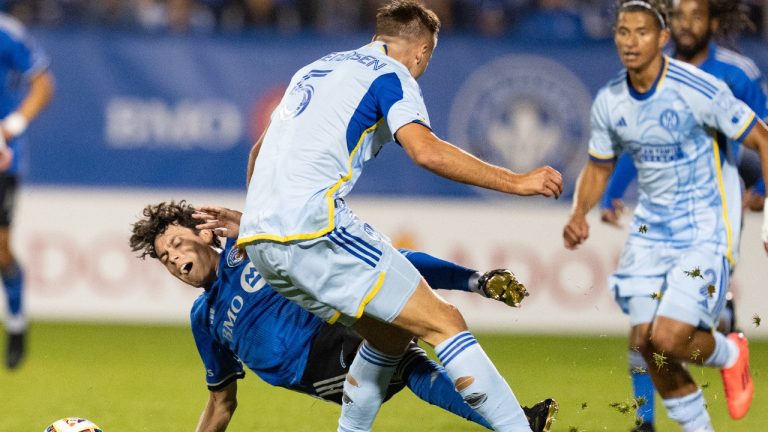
[553, 20]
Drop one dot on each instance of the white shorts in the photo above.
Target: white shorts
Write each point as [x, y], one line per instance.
[338, 277]
[692, 283]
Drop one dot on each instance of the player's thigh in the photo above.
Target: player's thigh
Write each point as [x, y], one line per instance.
[383, 336]
[641, 308]
[429, 316]
[696, 288]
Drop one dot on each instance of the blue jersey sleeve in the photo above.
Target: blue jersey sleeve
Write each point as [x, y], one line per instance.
[19, 50]
[623, 175]
[759, 187]
[221, 365]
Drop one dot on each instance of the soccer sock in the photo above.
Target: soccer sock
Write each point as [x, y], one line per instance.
[725, 354]
[431, 383]
[440, 273]
[690, 412]
[13, 280]
[480, 384]
[642, 385]
[365, 388]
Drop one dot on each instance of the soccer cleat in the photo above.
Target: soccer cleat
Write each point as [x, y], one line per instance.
[15, 350]
[541, 415]
[502, 285]
[644, 427]
[737, 381]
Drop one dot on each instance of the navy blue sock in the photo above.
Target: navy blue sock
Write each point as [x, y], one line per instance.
[440, 273]
[429, 381]
[13, 279]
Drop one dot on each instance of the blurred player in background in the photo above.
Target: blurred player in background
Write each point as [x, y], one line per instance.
[673, 274]
[240, 320]
[27, 87]
[694, 26]
[336, 114]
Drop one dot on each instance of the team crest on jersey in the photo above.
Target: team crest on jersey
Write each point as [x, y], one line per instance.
[512, 113]
[669, 119]
[250, 279]
[234, 257]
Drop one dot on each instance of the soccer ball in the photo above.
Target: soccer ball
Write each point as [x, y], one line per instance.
[73, 424]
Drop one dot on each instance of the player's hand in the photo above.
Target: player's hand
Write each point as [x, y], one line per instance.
[753, 201]
[6, 158]
[544, 180]
[576, 232]
[223, 221]
[612, 215]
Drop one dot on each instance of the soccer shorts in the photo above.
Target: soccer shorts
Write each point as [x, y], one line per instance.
[333, 350]
[690, 285]
[350, 271]
[8, 188]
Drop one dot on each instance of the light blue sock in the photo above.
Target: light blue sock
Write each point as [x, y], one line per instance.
[642, 386]
[365, 388]
[690, 412]
[725, 354]
[429, 381]
[480, 384]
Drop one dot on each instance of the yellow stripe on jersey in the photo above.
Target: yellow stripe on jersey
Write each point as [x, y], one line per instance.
[744, 128]
[329, 196]
[601, 157]
[721, 188]
[334, 318]
[371, 295]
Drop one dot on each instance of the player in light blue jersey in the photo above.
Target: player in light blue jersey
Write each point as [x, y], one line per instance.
[239, 320]
[27, 87]
[693, 25]
[673, 274]
[336, 115]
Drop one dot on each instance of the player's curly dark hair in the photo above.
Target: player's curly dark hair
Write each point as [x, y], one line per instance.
[733, 17]
[407, 19]
[156, 219]
[659, 9]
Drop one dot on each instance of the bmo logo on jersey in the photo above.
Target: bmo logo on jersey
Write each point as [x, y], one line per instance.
[250, 279]
[521, 112]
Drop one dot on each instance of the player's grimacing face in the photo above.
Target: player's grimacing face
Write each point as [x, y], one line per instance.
[639, 39]
[187, 255]
[691, 26]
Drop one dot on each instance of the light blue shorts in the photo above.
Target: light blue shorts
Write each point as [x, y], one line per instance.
[338, 277]
[693, 284]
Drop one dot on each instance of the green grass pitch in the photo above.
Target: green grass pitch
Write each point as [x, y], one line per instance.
[149, 378]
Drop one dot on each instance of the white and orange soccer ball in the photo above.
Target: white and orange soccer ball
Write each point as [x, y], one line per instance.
[73, 424]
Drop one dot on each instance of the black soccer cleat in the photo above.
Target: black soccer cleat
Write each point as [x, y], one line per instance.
[15, 350]
[541, 415]
[502, 285]
[644, 427]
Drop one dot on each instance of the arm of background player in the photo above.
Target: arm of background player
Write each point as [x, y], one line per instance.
[253, 154]
[589, 189]
[219, 409]
[757, 139]
[449, 161]
[612, 205]
[37, 98]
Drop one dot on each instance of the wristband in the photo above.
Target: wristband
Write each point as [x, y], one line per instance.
[15, 124]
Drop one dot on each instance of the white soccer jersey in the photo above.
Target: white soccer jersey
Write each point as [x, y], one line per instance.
[689, 186]
[336, 114]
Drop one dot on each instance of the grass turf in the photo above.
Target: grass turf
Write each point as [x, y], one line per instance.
[149, 378]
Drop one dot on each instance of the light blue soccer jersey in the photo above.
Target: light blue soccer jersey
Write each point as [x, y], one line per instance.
[241, 319]
[336, 114]
[688, 182]
[22, 59]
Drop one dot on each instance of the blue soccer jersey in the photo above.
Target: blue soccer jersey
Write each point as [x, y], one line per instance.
[22, 59]
[688, 182]
[241, 320]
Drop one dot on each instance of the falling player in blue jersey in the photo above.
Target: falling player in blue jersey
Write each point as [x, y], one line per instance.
[693, 25]
[239, 320]
[335, 116]
[27, 87]
[673, 273]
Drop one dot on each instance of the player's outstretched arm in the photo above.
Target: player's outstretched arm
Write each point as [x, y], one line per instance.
[589, 189]
[757, 139]
[449, 161]
[223, 221]
[219, 409]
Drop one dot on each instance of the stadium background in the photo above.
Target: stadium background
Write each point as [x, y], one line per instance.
[149, 110]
